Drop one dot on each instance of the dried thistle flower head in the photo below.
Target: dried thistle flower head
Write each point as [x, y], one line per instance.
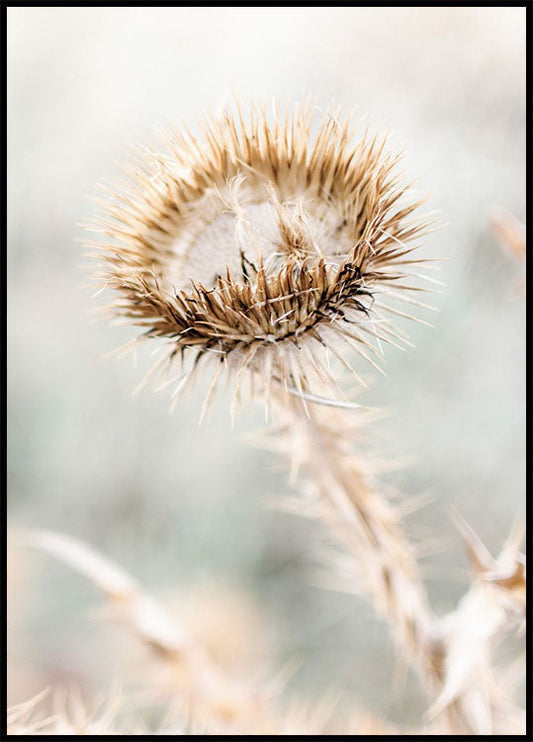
[262, 245]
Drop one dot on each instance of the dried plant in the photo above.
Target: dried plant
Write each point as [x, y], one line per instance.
[209, 697]
[70, 717]
[262, 248]
[510, 230]
[453, 653]
[200, 697]
[266, 250]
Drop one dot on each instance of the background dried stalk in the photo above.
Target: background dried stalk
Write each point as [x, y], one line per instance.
[510, 231]
[204, 699]
[211, 698]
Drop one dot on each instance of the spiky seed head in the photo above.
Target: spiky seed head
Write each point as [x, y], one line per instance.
[260, 245]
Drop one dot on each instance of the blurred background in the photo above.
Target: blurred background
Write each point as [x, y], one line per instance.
[184, 508]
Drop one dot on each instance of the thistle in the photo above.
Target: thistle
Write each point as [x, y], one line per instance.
[262, 247]
[265, 249]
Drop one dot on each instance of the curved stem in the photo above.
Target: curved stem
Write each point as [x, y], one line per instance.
[368, 526]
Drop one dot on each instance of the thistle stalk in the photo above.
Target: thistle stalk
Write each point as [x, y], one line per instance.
[368, 527]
